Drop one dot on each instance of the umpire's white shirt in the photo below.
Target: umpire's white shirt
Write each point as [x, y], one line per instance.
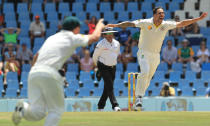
[59, 47]
[106, 52]
[151, 37]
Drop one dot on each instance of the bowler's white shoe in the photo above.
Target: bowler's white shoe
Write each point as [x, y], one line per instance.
[18, 113]
[116, 109]
[138, 104]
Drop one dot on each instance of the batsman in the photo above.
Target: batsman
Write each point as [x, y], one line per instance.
[153, 32]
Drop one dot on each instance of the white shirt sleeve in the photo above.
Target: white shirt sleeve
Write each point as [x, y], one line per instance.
[139, 23]
[80, 40]
[97, 52]
[170, 24]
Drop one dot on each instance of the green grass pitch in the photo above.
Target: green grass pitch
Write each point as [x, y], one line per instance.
[122, 119]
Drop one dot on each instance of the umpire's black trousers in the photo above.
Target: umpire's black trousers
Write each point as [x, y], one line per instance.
[108, 75]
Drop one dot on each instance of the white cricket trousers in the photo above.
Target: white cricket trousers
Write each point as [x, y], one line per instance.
[148, 62]
[45, 94]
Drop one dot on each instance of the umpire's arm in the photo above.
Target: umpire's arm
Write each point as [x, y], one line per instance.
[97, 53]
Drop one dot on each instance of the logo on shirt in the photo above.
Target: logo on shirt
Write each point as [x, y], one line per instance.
[149, 27]
[142, 56]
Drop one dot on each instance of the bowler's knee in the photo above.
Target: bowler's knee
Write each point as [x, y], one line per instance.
[143, 75]
[55, 114]
[40, 115]
[35, 116]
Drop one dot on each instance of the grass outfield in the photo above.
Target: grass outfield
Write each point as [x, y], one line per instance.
[122, 119]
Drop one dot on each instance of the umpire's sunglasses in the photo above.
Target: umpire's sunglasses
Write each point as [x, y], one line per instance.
[108, 33]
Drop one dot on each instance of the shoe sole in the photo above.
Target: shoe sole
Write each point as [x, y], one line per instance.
[16, 116]
[117, 110]
[137, 109]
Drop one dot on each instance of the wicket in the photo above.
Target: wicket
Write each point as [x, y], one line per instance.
[131, 74]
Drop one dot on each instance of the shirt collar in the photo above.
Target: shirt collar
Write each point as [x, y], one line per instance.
[154, 23]
[108, 41]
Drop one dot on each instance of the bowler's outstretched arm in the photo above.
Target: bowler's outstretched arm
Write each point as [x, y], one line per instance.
[191, 21]
[122, 24]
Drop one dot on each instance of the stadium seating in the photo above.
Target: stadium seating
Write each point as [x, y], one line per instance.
[77, 7]
[24, 75]
[159, 75]
[187, 91]
[105, 6]
[24, 84]
[8, 7]
[123, 16]
[84, 92]
[119, 84]
[173, 6]
[132, 7]
[205, 75]
[132, 67]
[73, 83]
[190, 75]
[91, 7]
[10, 16]
[97, 92]
[201, 91]
[63, 7]
[36, 7]
[88, 84]
[24, 93]
[69, 92]
[119, 7]
[162, 67]
[175, 76]
[73, 68]
[23, 17]
[85, 76]
[206, 66]
[119, 67]
[118, 74]
[189, 5]
[177, 66]
[12, 84]
[11, 93]
[101, 84]
[49, 8]
[22, 8]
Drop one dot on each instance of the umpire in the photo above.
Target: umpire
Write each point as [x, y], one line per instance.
[105, 56]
